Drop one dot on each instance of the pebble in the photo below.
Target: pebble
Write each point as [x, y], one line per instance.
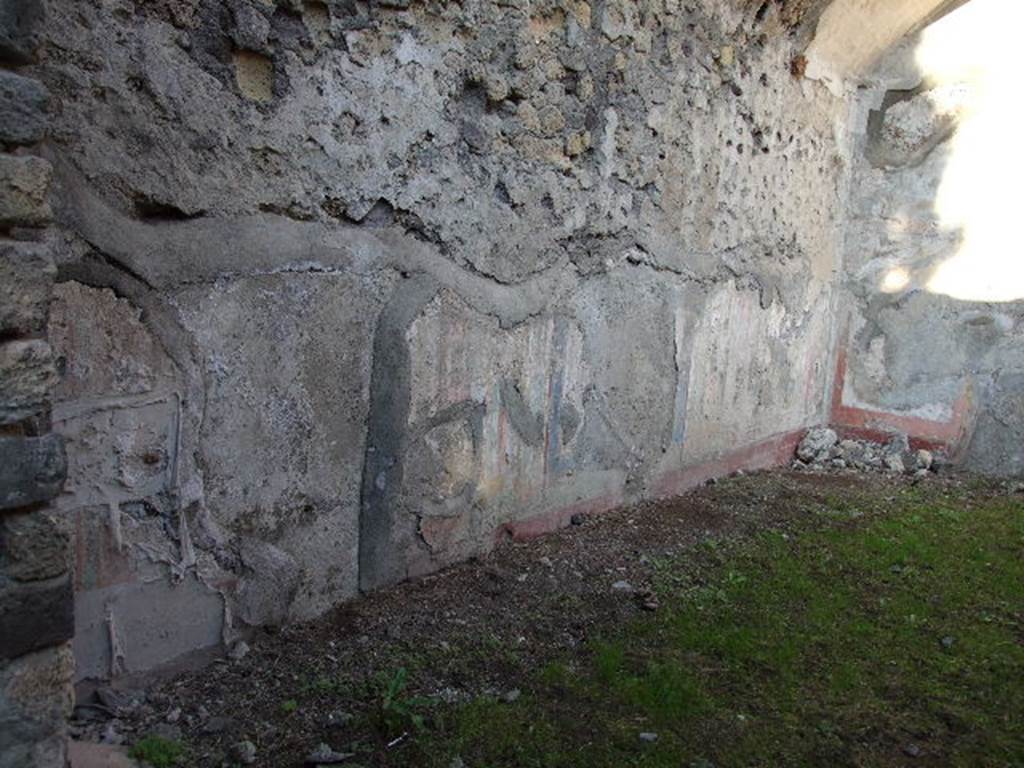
[456, 763]
[622, 586]
[510, 696]
[238, 651]
[174, 715]
[217, 724]
[648, 738]
[912, 750]
[546, 562]
[337, 719]
[112, 734]
[576, 519]
[324, 755]
[116, 701]
[244, 752]
[894, 463]
[947, 642]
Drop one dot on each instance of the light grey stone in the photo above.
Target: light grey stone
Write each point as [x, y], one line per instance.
[32, 470]
[27, 273]
[20, 21]
[816, 444]
[23, 103]
[24, 191]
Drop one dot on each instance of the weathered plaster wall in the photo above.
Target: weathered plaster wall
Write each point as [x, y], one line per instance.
[936, 330]
[370, 285]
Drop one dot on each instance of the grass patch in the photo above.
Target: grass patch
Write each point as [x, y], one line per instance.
[872, 641]
[157, 752]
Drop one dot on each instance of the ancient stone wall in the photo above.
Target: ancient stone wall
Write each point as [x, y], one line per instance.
[935, 335]
[348, 291]
[36, 601]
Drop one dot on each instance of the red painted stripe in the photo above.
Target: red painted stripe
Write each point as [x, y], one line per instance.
[773, 452]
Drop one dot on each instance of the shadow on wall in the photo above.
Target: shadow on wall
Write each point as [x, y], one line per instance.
[932, 257]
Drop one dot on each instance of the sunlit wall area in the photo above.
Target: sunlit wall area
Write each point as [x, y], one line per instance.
[976, 54]
[933, 257]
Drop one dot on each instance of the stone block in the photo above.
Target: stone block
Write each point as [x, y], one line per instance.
[251, 28]
[19, 21]
[22, 109]
[26, 281]
[24, 191]
[32, 469]
[27, 377]
[36, 615]
[254, 74]
[35, 701]
[32, 547]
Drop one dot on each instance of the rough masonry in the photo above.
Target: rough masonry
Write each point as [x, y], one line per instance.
[36, 594]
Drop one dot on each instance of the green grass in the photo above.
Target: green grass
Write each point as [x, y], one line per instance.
[158, 752]
[838, 646]
[288, 706]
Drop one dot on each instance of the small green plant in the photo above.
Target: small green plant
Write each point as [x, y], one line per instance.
[396, 711]
[288, 706]
[324, 685]
[157, 751]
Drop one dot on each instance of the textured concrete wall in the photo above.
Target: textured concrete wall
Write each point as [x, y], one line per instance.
[36, 595]
[365, 287]
[935, 343]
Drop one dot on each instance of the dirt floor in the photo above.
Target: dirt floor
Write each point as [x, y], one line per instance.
[382, 681]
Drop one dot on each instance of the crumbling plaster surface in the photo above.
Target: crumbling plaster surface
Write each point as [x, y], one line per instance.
[404, 274]
[913, 349]
[853, 36]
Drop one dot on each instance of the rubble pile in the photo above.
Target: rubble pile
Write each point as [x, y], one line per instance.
[821, 448]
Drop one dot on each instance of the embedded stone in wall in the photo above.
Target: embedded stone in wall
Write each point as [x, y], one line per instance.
[24, 191]
[32, 470]
[317, 18]
[26, 280]
[254, 74]
[19, 23]
[23, 104]
[251, 28]
[27, 376]
[910, 126]
[270, 579]
[33, 547]
[35, 702]
[35, 615]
